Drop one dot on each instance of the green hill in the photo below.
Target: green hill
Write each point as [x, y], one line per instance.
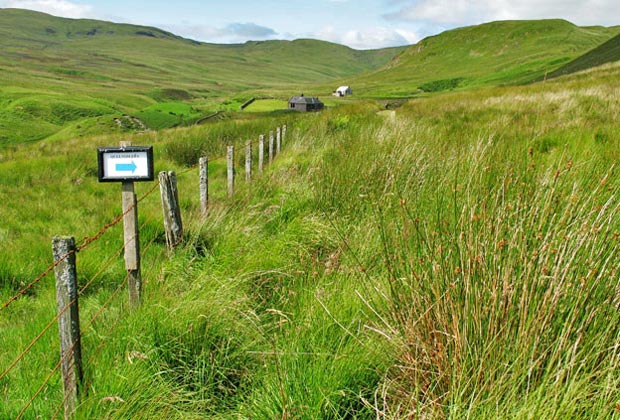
[606, 53]
[507, 52]
[54, 71]
[76, 77]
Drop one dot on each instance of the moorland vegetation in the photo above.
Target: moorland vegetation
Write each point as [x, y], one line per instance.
[454, 258]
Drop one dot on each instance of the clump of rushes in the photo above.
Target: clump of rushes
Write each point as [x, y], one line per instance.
[509, 303]
[502, 284]
[489, 226]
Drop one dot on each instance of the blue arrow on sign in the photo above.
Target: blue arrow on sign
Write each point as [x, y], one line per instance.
[126, 167]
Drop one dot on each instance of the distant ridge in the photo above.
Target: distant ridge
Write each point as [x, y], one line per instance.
[55, 72]
[491, 54]
[29, 24]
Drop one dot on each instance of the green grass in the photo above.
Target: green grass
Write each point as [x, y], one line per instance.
[267, 105]
[455, 258]
[605, 53]
[167, 115]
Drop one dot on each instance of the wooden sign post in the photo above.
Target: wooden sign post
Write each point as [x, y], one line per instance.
[127, 164]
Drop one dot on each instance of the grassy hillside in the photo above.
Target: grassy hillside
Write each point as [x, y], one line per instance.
[608, 52]
[456, 258]
[74, 78]
[508, 52]
[57, 72]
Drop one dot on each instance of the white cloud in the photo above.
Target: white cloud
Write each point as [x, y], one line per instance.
[369, 38]
[63, 8]
[465, 12]
[232, 33]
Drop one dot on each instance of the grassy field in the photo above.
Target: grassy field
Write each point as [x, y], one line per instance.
[454, 258]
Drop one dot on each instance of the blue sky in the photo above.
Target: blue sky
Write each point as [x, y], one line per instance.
[360, 24]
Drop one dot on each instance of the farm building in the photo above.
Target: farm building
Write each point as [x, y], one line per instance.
[305, 103]
[343, 91]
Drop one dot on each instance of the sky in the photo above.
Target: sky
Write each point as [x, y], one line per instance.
[359, 24]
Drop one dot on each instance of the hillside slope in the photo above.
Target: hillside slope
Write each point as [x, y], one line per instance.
[606, 53]
[36, 42]
[507, 52]
[56, 70]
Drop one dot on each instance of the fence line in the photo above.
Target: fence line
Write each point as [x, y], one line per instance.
[35, 340]
[86, 243]
[109, 331]
[101, 270]
[46, 380]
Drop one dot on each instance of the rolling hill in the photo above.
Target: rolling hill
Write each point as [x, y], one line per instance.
[75, 77]
[496, 53]
[55, 71]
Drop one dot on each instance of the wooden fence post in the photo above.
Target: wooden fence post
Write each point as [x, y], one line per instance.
[248, 161]
[283, 133]
[204, 185]
[270, 147]
[172, 211]
[132, 243]
[278, 140]
[230, 163]
[64, 250]
[261, 153]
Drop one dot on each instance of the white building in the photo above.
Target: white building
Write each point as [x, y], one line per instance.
[343, 91]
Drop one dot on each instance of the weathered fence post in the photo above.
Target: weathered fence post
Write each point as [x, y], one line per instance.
[270, 147]
[278, 140]
[204, 185]
[172, 211]
[64, 250]
[261, 153]
[283, 133]
[248, 161]
[230, 163]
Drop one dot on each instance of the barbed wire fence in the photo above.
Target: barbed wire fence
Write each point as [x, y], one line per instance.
[268, 149]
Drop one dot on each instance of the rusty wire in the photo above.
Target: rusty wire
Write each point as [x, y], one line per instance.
[87, 242]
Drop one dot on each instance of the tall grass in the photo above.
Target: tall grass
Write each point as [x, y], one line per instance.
[456, 261]
[492, 234]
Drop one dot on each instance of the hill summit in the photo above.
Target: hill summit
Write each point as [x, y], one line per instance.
[491, 54]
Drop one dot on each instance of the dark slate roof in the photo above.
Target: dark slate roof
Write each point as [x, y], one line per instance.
[304, 100]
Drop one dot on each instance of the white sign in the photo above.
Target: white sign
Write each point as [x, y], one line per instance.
[132, 163]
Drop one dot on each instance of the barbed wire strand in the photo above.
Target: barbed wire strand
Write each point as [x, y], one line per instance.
[82, 334]
[81, 291]
[47, 379]
[35, 340]
[107, 264]
[88, 241]
[110, 330]
[92, 358]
